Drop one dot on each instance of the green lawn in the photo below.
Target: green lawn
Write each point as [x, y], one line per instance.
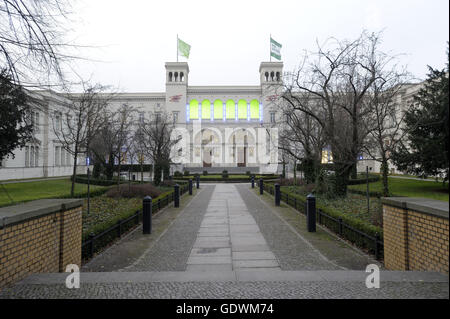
[21, 192]
[410, 188]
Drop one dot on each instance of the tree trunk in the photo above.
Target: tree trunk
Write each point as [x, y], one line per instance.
[354, 172]
[384, 174]
[295, 173]
[342, 174]
[72, 190]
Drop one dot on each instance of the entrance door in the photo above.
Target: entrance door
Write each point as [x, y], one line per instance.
[207, 154]
[242, 157]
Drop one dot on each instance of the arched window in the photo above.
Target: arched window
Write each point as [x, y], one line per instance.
[254, 109]
[278, 76]
[170, 76]
[231, 110]
[193, 110]
[176, 76]
[206, 110]
[266, 75]
[271, 76]
[242, 109]
[218, 109]
[181, 77]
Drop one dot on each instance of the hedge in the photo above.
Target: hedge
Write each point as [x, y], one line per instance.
[351, 221]
[82, 179]
[363, 180]
[231, 178]
[99, 228]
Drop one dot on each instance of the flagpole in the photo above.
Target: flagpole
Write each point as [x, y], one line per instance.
[177, 47]
[270, 48]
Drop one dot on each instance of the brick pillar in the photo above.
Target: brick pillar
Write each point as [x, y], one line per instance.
[395, 233]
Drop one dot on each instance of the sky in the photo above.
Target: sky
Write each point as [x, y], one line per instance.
[129, 41]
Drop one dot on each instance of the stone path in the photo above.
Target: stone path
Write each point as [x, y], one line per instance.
[228, 237]
[229, 242]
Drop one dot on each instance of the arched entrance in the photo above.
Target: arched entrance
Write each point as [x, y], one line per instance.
[209, 142]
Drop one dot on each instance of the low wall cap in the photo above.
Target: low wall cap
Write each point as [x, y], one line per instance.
[22, 212]
[424, 205]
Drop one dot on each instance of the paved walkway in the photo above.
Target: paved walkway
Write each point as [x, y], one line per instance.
[229, 242]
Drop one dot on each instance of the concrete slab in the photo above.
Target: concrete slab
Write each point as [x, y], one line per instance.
[210, 252]
[253, 255]
[208, 260]
[262, 263]
[250, 248]
[209, 268]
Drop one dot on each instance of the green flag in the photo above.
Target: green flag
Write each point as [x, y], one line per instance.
[275, 49]
[183, 48]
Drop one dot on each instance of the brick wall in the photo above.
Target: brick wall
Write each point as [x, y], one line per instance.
[46, 240]
[416, 235]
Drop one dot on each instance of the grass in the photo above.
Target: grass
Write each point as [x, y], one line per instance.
[410, 188]
[15, 193]
[354, 205]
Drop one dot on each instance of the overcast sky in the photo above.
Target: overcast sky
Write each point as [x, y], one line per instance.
[229, 39]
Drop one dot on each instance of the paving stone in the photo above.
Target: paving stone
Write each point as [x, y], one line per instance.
[261, 263]
[249, 255]
[208, 260]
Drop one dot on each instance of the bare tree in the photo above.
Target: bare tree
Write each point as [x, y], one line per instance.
[386, 125]
[82, 120]
[158, 141]
[302, 139]
[122, 127]
[31, 38]
[332, 89]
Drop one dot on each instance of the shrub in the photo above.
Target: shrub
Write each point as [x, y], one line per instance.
[205, 173]
[134, 190]
[178, 174]
[248, 173]
[225, 174]
[167, 183]
[290, 182]
[186, 173]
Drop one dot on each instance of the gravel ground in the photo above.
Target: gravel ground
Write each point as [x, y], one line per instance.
[171, 251]
[292, 252]
[234, 290]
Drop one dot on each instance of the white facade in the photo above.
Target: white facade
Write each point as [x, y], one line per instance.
[44, 156]
[212, 139]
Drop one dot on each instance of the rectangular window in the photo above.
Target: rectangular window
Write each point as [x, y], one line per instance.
[57, 155]
[36, 156]
[141, 117]
[32, 156]
[36, 122]
[67, 158]
[272, 117]
[63, 157]
[175, 117]
[27, 156]
[158, 117]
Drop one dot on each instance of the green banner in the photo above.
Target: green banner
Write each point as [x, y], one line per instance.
[183, 48]
[275, 49]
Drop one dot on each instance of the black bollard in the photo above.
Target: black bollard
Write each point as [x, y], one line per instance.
[277, 195]
[311, 212]
[197, 180]
[253, 181]
[176, 199]
[261, 186]
[190, 186]
[147, 215]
